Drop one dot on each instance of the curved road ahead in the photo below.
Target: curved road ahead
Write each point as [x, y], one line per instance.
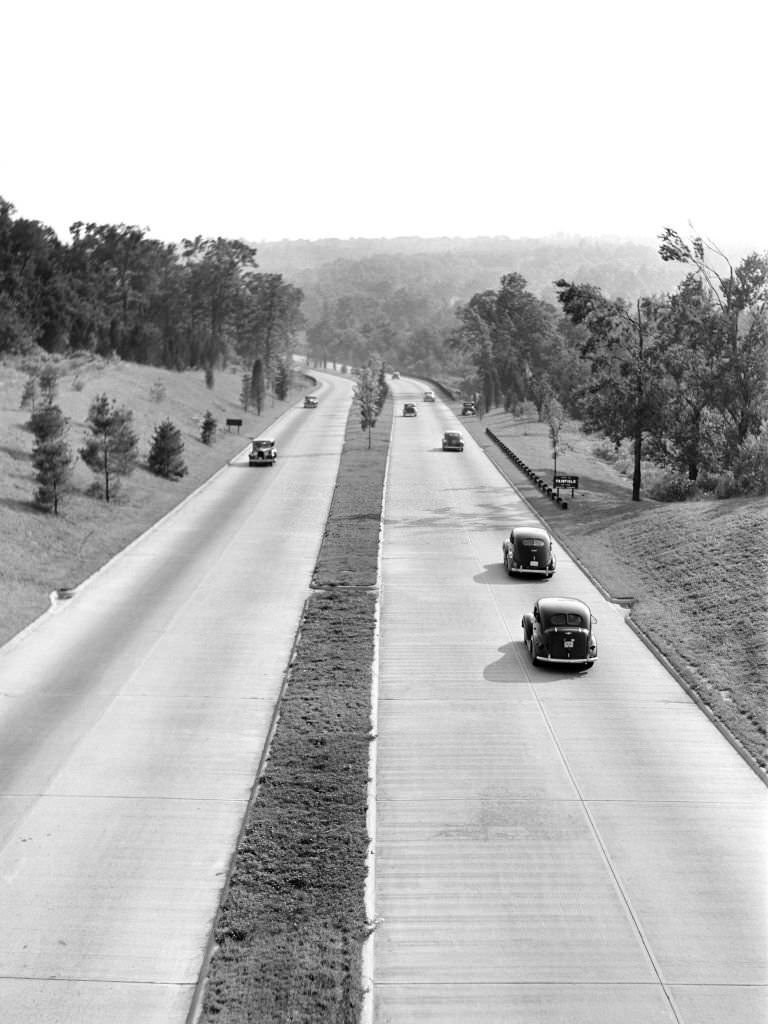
[132, 723]
[551, 848]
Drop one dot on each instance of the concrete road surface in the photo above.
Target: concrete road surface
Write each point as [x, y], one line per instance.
[132, 722]
[551, 847]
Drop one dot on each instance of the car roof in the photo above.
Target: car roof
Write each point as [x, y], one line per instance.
[262, 440]
[531, 531]
[553, 605]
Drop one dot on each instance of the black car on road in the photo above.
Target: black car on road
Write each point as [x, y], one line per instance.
[529, 549]
[559, 632]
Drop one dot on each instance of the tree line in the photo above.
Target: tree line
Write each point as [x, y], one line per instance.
[113, 290]
[680, 376]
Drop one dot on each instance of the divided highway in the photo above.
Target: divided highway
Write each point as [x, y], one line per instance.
[551, 847]
[132, 723]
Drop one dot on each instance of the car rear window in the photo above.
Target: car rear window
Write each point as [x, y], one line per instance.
[532, 542]
[566, 619]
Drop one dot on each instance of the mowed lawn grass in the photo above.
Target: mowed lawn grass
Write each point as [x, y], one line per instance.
[694, 574]
[41, 552]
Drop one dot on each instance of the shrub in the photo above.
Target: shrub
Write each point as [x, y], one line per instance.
[726, 485]
[157, 392]
[671, 486]
[30, 394]
[750, 466]
[48, 382]
[605, 450]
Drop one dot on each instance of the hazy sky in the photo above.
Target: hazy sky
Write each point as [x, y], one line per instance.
[367, 118]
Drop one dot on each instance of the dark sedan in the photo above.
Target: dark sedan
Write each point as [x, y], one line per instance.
[559, 632]
[529, 549]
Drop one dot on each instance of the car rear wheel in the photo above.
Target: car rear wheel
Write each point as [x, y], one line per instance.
[534, 659]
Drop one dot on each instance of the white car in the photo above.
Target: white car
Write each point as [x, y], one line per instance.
[429, 396]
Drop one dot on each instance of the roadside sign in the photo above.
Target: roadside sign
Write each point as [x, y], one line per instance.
[565, 480]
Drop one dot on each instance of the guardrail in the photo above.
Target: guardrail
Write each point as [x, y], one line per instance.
[532, 475]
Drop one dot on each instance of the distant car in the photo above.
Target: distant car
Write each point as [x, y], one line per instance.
[263, 452]
[395, 375]
[429, 396]
[468, 409]
[453, 441]
[409, 409]
[529, 549]
[559, 632]
[310, 402]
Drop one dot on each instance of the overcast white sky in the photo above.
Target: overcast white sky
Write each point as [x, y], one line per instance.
[367, 118]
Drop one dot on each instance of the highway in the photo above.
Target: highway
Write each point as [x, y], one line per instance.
[132, 723]
[551, 847]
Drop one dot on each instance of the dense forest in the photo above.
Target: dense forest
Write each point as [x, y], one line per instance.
[113, 290]
[662, 347]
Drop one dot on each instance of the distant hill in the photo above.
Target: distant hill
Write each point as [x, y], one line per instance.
[459, 267]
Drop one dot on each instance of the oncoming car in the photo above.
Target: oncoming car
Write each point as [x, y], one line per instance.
[409, 409]
[429, 396]
[310, 402]
[468, 409]
[529, 549]
[453, 441]
[263, 452]
[559, 632]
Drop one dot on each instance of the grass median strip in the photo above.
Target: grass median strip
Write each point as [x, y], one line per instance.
[289, 934]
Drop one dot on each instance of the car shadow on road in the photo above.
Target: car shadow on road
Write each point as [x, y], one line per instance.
[494, 572]
[509, 668]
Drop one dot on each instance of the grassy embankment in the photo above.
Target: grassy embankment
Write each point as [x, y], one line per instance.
[292, 923]
[40, 552]
[694, 573]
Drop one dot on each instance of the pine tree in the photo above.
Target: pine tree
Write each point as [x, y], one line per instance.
[165, 455]
[208, 428]
[53, 461]
[51, 457]
[112, 449]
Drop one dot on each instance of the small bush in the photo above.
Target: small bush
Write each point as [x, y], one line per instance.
[750, 467]
[30, 394]
[157, 392]
[606, 451]
[671, 487]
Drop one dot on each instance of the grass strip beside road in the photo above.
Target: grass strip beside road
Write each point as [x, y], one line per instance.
[289, 936]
